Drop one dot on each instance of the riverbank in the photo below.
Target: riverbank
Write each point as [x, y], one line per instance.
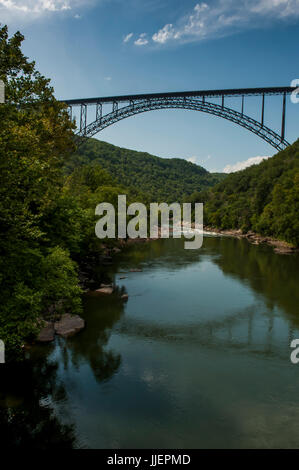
[90, 283]
[280, 247]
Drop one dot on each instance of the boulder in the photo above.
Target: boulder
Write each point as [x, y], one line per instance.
[69, 325]
[283, 250]
[47, 333]
[105, 290]
[124, 297]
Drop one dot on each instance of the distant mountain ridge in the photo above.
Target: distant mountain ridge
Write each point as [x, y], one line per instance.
[163, 179]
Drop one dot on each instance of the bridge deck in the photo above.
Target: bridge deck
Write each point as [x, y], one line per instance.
[201, 93]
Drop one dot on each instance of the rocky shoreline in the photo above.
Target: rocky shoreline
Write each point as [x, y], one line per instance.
[66, 326]
[280, 247]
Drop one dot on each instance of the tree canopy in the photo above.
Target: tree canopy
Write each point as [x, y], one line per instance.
[159, 179]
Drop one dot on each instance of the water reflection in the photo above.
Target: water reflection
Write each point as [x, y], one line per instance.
[259, 327]
[101, 315]
[274, 276]
[27, 417]
[198, 357]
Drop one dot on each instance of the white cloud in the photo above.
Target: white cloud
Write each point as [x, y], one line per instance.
[165, 34]
[37, 6]
[142, 40]
[246, 163]
[225, 17]
[13, 10]
[192, 160]
[77, 17]
[198, 160]
[128, 37]
[108, 78]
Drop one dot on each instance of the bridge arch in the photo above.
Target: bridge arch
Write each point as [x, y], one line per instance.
[229, 114]
[191, 100]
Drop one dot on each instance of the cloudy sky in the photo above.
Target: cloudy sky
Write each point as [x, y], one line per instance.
[109, 47]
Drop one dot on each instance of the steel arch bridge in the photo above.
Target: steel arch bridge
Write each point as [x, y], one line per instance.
[129, 105]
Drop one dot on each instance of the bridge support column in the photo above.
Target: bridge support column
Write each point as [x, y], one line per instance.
[70, 112]
[83, 118]
[283, 123]
[99, 111]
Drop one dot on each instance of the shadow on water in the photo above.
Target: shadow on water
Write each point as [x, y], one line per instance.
[101, 314]
[31, 392]
[27, 417]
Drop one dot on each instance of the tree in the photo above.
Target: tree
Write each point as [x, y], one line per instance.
[36, 136]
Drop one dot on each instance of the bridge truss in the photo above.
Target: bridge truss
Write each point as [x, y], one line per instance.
[129, 105]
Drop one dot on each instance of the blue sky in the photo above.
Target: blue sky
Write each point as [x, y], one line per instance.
[109, 47]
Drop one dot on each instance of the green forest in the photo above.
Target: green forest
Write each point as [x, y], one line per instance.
[263, 198]
[159, 179]
[49, 190]
[47, 218]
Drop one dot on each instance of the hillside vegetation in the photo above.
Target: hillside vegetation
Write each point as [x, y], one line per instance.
[161, 179]
[47, 220]
[263, 198]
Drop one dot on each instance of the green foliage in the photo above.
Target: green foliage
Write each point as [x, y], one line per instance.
[263, 198]
[59, 281]
[47, 219]
[157, 179]
[36, 136]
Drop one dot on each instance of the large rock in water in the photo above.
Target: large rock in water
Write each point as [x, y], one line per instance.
[107, 290]
[47, 333]
[69, 325]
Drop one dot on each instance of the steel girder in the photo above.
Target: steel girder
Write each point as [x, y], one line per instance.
[199, 104]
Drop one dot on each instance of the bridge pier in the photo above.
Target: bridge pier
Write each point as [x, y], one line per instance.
[83, 118]
[99, 111]
[283, 124]
[263, 110]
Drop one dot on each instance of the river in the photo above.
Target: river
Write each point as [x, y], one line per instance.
[199, 357]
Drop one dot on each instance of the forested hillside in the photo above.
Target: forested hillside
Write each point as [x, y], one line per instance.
[162, 179]
[263, 198]
[47, 220]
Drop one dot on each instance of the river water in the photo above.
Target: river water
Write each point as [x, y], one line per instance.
[199, 357]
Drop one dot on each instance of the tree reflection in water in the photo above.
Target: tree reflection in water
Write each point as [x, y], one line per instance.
[31, 392]
[27, 417]
[101, 315]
